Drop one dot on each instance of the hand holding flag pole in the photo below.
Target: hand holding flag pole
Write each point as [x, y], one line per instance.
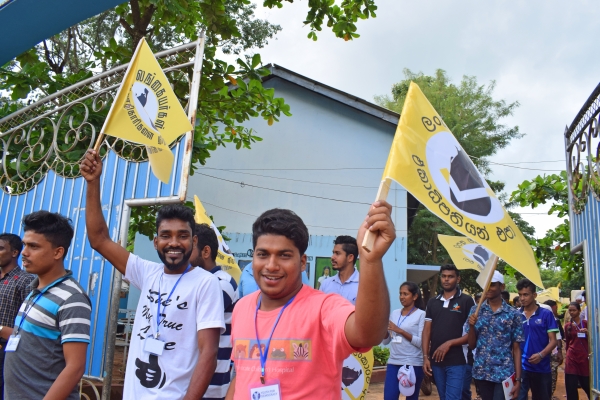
[382, 194]
[485, 279]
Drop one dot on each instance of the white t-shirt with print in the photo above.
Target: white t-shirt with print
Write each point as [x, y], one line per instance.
[196, 304]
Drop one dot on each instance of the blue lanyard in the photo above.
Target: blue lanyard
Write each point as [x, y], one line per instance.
[407, 315]
[30, 305]
[263, 356]
[166, 301]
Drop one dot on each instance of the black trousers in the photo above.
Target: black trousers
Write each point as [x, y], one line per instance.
[490, 390]
[571, 382]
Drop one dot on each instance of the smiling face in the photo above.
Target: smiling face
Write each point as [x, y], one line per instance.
[39, 255]
[277, 266]
[495, 290]
[174, 244]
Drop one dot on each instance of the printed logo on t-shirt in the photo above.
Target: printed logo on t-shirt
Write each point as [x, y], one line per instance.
[538, 321]
[456, 308]
[279, 349]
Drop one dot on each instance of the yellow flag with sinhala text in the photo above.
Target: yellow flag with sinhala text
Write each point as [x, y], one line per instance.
[465, 253]
[224, 257]
[146, 111]
[428, 161]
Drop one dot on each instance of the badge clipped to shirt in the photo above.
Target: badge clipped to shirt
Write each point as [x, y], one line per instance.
[154, 346]
[269, 391]
[397, 339]
[13, 342]
[579, 335]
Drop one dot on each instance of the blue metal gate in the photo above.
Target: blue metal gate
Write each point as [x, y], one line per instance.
[40, 172]
[582, 146]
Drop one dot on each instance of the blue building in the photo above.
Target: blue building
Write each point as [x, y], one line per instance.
[324, 163]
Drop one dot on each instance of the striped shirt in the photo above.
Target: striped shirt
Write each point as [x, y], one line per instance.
[220, 380]
[57, 314]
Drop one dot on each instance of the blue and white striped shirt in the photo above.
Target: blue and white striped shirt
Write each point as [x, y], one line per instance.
[219, 383]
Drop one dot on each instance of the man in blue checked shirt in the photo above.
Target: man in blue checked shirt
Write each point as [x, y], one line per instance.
[540, 331]
[496, 333]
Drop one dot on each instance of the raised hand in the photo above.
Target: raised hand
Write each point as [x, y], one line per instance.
[91, 166]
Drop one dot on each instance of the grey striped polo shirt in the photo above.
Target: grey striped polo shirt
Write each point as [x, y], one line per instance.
[61, 314]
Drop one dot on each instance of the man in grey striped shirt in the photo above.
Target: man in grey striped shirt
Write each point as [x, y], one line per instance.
[46, 349]
[204, 255]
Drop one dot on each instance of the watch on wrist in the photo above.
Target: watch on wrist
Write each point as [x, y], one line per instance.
[520, 380]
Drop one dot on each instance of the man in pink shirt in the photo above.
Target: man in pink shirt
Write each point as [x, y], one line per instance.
[289, 340]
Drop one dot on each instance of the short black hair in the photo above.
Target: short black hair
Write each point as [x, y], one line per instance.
[207, 237]
[348, 245]
[282, 222]
[450, 267]
[516, 298]
[56, 228]
[550, 303]
[526, 283]
[175, 211]
[13, 240]
[505, 295]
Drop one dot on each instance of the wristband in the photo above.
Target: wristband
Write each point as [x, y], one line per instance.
[541, 355]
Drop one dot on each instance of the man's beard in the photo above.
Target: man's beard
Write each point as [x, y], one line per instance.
[174, 267]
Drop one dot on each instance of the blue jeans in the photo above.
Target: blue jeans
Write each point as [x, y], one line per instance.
[450, 381]
[539, 383]
[466, 392]
[390, 388]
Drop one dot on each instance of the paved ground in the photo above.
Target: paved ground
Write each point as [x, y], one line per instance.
[376, 390]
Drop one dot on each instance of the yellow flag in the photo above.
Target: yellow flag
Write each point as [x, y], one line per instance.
[429, 162]
[224, 257]
[465, 253]
[356, 375]
[552, 293]
[146, 111]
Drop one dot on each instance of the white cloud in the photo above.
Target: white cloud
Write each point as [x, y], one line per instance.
[540, 53]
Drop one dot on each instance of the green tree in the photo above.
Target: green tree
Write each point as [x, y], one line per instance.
[553, 251]
[230, 94]
[474, 116]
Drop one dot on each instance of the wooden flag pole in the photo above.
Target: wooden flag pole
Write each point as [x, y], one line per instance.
[487, 286]
[99, 143]
[382, 194]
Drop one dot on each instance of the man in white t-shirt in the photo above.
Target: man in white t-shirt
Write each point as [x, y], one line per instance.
[175, 337]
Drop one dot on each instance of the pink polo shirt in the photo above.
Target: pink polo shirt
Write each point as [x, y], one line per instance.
[307, 349]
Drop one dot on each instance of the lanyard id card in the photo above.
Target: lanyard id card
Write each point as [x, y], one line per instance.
[13, 342]
[397, 338]
[581, 335]
[154, 346]
[269, 391]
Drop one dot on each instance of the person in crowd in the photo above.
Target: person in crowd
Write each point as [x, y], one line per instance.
[516, 302]
[343, 260]
[478, 297]
[204, 256]
[290, 340]
[14, 288]
[577, 367]
[248, 284]
[326, 274]
[46, 350]
[497, 333]
[506, 296]
[540, 331]
[443, 336]
[404, 332]
[556, 359]
[175, 337]
[583, 306]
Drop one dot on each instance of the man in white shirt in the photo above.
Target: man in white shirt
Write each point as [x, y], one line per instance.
[175, 338]
[343, 259]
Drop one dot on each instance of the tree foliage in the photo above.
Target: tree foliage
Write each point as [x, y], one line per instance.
[474, 116]
[230, 93]
[553, 251]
